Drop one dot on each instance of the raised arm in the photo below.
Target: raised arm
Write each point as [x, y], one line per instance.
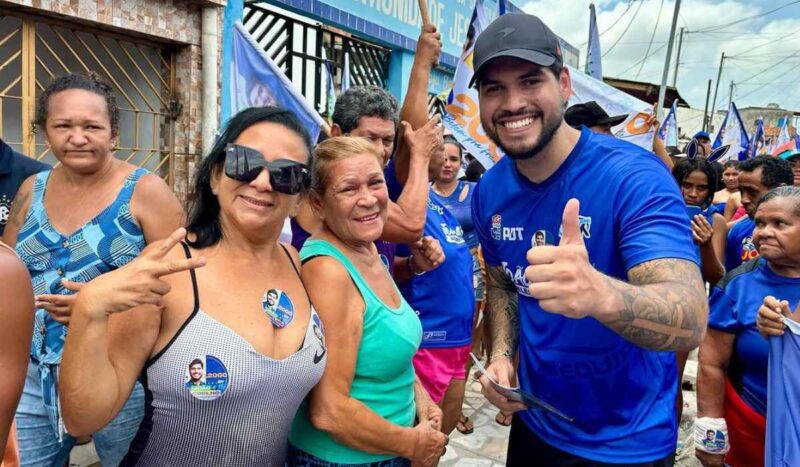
[415, 105]
[16, 314]
[406, 221]
[332, 409]
[115, 324]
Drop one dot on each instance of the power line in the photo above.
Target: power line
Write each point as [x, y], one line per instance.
[767, 84]
[630, 4]
[748, 18]
[643, 59]
[635, 13]
[652, 36]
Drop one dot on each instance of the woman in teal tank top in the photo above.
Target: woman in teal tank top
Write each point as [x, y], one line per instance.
[363, 410]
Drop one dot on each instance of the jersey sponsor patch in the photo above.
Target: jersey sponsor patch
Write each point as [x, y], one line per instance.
[206, 378]
[434, 336]
[541, 238]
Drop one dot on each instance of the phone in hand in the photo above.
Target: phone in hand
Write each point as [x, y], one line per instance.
[693, 210]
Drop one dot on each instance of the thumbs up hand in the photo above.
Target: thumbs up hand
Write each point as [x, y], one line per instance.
[561, 277]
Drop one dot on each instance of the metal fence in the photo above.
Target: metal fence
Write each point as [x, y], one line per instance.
[301, 49]
[33, 50]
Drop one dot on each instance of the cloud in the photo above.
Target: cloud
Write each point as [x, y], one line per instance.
[755, 46]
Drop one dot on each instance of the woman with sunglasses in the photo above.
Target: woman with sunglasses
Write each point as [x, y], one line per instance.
[226, 353]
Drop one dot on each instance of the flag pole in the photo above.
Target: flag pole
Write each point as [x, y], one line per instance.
[662, 93]
[423, 12]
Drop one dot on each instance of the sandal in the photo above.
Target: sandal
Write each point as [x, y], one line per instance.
[465, 426]
[503, 419]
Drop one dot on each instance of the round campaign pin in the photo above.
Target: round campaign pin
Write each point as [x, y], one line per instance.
[278, 307]
[207, 378]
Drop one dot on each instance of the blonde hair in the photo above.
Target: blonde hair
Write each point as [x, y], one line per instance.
[336, 149]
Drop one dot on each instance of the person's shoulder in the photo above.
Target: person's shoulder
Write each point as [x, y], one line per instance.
[27, 165]
[499, 170]
[742, 272]
[13, 271]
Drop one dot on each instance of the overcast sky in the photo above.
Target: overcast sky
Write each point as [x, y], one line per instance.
[765, 51]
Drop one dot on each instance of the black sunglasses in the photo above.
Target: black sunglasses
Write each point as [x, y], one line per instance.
[286, 176]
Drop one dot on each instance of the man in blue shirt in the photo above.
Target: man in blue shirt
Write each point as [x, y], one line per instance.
[599, 310]
[756, 177]
[14, 169]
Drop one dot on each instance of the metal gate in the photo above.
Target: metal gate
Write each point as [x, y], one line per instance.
[33, 50]
[302, 48]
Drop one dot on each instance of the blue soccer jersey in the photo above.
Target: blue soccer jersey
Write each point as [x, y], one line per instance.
[733, 308]
[443, 298]
[740, 247]
[783, 428]
[621, 396]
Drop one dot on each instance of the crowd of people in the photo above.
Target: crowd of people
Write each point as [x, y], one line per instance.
[577, 268]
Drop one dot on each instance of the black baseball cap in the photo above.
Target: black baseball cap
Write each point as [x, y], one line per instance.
[590, 114]
[516, 35]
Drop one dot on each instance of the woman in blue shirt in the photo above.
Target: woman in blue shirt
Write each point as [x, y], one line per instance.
[732, 375]
[697, 180]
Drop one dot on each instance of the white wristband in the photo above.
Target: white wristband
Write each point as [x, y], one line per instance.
[711, 435]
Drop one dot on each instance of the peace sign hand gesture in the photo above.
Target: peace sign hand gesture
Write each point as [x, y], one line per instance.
[138, 282]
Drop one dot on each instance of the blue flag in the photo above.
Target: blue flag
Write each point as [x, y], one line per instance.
[346, 73]
[234, 11]
[593, 66]
[733, 133]
[256, 81]
[668, 133]
[757, 143]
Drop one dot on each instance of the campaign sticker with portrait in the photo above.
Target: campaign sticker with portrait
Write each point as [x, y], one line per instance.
[207, 378]
[542, 238]
[278, 307]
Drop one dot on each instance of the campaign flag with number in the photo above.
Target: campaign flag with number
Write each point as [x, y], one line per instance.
[668, 132]
[255, 81]
[733, 133]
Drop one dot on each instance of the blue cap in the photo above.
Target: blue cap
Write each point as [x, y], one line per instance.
[789, 155]
[701, 134]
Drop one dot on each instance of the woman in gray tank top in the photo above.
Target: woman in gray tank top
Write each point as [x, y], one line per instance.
[226, 353]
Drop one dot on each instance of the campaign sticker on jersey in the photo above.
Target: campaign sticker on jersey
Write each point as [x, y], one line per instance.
[748, 249]
[542, 238]
[278, 307]
[453, 235]
[207, 378]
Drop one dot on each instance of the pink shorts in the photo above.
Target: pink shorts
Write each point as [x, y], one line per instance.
[436, 367]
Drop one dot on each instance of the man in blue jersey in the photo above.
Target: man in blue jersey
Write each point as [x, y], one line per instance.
[756, 177]
[596, 313]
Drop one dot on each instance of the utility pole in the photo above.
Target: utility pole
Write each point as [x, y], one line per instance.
[678, 58]
[663, 91]
[705, 112]
[730, 96]
[716, 89]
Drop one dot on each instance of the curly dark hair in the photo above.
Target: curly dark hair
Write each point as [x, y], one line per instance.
[364, 101]
[92, 83]
[774, 172]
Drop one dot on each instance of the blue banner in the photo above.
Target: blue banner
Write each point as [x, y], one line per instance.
[668, 133]
[256, 81]
[233, 13]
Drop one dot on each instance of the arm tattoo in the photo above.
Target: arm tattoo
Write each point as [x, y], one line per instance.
[503, 305]
[664, 306]
[17, 215]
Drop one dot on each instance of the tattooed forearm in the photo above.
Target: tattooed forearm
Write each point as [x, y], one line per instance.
[663, 307]
[503, 312]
